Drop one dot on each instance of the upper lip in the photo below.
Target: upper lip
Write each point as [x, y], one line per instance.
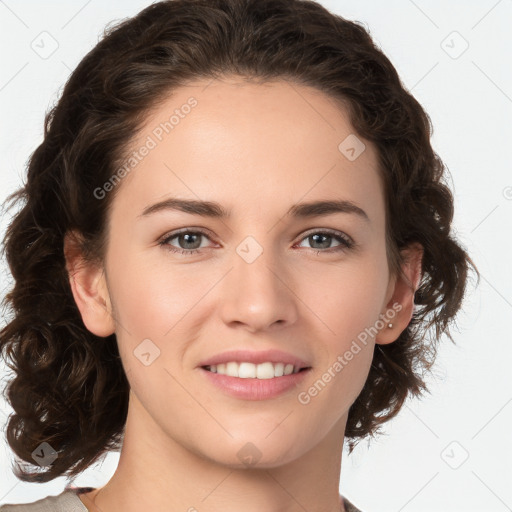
[273, 356]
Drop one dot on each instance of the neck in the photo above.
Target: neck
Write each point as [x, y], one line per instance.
[157, 473]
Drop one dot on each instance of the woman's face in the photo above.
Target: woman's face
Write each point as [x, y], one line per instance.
[263, 278]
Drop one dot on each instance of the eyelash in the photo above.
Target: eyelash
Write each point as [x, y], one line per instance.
[345, 242]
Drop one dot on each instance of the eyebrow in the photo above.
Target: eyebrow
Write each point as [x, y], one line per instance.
[215, 210]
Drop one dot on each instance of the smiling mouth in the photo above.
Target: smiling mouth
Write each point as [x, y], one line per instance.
[246, 370]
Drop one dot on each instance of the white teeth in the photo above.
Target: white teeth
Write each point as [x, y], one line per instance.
[249, 371]
[232, 369]
[246, 370]
[279, 369]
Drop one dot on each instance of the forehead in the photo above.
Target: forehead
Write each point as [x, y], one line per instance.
[242, 143]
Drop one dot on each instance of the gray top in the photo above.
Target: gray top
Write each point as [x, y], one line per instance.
[68, 501]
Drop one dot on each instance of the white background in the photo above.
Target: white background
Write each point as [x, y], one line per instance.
[469, 99]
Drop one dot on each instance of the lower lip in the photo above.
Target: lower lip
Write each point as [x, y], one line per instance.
[255, 389]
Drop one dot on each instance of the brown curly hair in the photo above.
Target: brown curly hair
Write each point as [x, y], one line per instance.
[69, 388]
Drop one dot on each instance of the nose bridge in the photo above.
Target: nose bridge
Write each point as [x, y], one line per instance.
[257, 264]
[257, 292]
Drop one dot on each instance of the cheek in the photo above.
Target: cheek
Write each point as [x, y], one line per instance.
[151, 296]
[347, 296]
[348, 299]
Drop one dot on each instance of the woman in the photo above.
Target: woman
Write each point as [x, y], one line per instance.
[169, 298]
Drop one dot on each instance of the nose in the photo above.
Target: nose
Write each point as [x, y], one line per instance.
[258, 293]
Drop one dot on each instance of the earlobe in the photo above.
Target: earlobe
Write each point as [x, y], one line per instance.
[400, 307]
[89, 288]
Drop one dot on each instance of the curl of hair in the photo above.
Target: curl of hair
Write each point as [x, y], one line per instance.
[69, 388]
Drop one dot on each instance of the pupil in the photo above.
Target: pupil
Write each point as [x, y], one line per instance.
[186, 236]
[325, 243]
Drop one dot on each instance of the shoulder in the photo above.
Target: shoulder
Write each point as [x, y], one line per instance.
[66, 501]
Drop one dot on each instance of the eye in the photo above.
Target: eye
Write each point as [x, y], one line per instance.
[186, 237]
[324, 238]
[190, 240]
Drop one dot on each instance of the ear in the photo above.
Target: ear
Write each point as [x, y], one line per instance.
[89, 287]
[401, 291]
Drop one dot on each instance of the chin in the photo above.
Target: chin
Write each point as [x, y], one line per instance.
[256, 454]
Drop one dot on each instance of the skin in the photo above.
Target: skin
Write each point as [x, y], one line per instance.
[257, 150]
